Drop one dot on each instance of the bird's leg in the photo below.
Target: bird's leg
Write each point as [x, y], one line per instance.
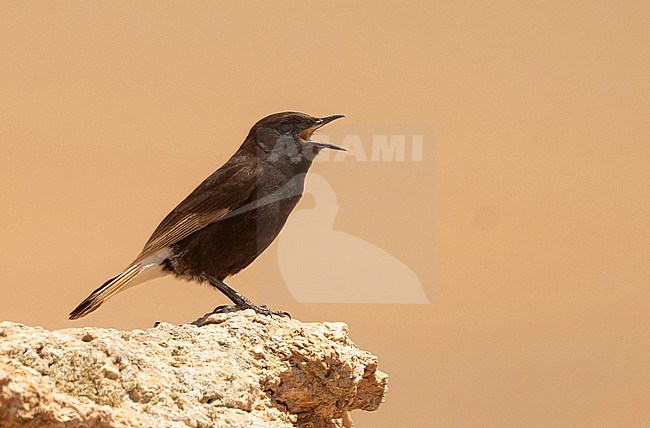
[241, 302]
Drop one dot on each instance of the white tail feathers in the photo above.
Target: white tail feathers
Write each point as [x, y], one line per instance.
[131, 276]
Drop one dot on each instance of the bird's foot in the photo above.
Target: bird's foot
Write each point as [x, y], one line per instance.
[260, 309]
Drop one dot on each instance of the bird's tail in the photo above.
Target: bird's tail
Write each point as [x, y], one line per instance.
[107, 290]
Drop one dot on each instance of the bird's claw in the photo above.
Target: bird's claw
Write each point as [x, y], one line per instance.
[260, 309]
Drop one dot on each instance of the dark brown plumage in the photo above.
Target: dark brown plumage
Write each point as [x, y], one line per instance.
[232, 216]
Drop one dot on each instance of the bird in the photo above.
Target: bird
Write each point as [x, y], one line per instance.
[224, 224]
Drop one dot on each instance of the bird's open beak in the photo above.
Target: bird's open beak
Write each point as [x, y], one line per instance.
[327, 119]
[306, 134]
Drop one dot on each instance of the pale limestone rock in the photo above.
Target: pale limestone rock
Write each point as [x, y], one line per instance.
[228, 370]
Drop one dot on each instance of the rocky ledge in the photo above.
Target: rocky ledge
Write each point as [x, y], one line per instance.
[227, 370]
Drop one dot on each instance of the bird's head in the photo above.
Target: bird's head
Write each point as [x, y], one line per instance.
[287, 136]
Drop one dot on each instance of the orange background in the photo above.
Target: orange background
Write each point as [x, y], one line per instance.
[538, 273]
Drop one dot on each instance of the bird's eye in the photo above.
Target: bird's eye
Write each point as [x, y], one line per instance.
[285, 128]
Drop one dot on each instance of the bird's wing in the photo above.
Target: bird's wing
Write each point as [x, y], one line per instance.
[224, 191]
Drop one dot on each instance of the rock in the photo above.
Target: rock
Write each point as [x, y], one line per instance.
[232, 370]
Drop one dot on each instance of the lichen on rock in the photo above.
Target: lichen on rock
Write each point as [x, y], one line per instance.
[233, 370]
